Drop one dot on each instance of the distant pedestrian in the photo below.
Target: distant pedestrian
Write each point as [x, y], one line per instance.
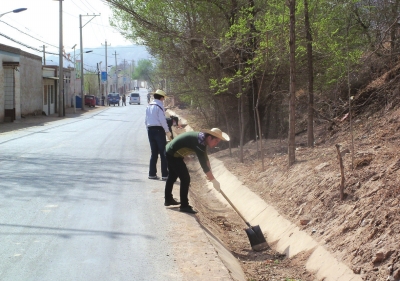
[157, 128]
[124, 100]
[102, 99]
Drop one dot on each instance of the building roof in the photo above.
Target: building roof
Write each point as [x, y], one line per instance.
[17, 51]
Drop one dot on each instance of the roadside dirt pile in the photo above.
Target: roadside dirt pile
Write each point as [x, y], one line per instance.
[362, 230]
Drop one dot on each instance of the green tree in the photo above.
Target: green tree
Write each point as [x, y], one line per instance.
[145, 70]
[91, 84]
[231, 56]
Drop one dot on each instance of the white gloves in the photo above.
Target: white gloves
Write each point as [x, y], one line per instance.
[169, 135]
[216, 185]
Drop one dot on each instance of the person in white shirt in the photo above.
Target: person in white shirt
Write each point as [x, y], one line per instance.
[157, 129]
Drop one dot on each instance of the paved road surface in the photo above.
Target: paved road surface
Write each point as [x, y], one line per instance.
[76, 204]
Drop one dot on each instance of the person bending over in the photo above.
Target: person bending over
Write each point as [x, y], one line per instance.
[182, 145]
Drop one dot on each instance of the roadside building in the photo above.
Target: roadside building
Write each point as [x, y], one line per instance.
[20, 84]
[50, 88]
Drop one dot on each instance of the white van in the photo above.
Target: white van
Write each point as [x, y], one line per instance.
[134, 98]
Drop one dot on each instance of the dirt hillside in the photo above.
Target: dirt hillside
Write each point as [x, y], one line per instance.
[363, 229]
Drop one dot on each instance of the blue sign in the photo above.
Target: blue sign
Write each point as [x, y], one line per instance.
[103, 76]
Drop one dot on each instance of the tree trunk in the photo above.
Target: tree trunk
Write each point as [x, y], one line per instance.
[227, 129]
[241, 127]
[241, 112]
[292, 120]
[394, 28]
[341, 172]
[310, 125]
[260, 138]
[260, 134]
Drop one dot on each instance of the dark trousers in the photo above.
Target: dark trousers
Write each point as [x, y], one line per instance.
[177, 169]
[157, 145]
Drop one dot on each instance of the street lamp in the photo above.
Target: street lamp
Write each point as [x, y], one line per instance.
[82, 76]
[14, 11]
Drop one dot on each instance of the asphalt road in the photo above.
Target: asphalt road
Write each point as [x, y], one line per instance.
[76, 203]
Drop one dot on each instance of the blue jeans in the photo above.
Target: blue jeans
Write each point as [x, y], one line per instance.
[157, 145]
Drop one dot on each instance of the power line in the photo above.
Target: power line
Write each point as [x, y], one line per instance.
[89, 5]
[28, 34]
[25, 45]
[77, 6]
[99, 24]
[102, 24]
[119, 47]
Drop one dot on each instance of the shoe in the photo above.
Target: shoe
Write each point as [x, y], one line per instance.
[187, 209]
[170, 202]
[164, 178]
[153, 177]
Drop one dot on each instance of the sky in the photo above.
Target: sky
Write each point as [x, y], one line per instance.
[39, 25]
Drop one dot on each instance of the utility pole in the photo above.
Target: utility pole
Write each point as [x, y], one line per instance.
[106, 68]
[61, 68]
[116, 71]
[44, 54]
[82, 76]
[123, 78]
[74, 99]
[100, 89]
[98, 76]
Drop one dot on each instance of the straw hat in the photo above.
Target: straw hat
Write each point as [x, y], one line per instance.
[217, 133]
[161, 93]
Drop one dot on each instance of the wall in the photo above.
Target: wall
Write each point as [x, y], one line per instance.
[7, 54]
[31, 84]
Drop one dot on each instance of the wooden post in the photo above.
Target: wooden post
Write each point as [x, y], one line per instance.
[341, 172]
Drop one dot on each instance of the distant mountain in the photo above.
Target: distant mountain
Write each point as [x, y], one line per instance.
[128, 53]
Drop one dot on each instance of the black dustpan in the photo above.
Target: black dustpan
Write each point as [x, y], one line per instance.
[254, 233]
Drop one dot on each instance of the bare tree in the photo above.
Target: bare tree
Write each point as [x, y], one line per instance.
[292, 99]
[310, 119]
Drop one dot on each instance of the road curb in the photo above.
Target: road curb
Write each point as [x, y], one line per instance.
[286, 237]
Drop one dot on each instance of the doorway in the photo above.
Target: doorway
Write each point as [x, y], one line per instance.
[9, 94]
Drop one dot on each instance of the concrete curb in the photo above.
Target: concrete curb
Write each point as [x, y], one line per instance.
[284, 235]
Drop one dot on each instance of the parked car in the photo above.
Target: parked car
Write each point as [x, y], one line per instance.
[113, 98]
[134, 98]
[90, 100]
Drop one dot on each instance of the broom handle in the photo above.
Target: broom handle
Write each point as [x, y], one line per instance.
[233, 206]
